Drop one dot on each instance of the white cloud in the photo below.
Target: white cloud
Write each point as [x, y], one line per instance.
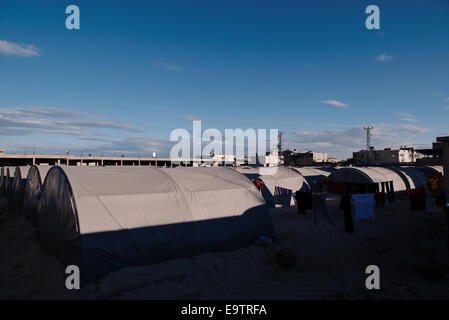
[408, 128]
[406, 116]
[384, 57]
[20, 50]
[335, 103]
[170, 67]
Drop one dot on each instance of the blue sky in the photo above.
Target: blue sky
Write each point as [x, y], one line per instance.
[138, 69]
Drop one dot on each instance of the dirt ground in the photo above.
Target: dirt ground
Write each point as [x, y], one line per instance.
[409, 248]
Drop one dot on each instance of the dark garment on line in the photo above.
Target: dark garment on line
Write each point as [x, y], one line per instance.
[380, 199]
[390, 194]
[417, 199]
[345, 205]
[303, 201]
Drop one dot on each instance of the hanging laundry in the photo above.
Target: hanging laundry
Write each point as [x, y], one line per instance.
[390, 192]
[436, 183]
[345, 205]
[319, 207]
[380, 199]
[258, 184]
[303, 201]
[364, 204]
[417, 199]
[282, 196]
[334, 187]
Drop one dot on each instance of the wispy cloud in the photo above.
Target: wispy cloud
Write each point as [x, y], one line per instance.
[447, 108]
[335, 103]
[384, 57]
[406, 116]
[412, 129]
[170, 67]
[447, 99]
[45, 120]
[19, 50]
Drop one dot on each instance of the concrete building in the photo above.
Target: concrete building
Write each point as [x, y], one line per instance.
[386, 156]
[222, 159]
[431, 156]
[304, 158]
[72, 160]
[271, 160]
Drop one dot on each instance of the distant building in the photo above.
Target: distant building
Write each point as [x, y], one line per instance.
[386, 156]
[2, 152]
[431, 156]
[222, 159]
[271, 160]
[304, 158]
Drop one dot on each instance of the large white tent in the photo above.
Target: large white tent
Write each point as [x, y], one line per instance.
[368, 174]
[275, 176]
[18, 186]
[103, 219]
[32, 195]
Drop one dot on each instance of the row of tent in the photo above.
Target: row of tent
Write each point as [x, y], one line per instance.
[304, 178]
[106, 218]
[97, 217]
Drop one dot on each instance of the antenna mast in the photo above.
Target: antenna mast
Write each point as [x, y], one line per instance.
[368, 136]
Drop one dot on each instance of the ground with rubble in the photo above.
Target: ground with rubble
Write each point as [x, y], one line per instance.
[409, 248]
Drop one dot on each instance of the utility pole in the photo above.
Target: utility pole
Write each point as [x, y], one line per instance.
[368, 136]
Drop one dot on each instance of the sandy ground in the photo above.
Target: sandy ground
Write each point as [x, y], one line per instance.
[410, 250]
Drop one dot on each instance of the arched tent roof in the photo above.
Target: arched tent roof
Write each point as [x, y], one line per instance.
[431, 170]
[103, 218]
[18, 186]
[313, 175]
[275, 176]
[368, 174]
[437, 168]
[414, 178]
[32, 195]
